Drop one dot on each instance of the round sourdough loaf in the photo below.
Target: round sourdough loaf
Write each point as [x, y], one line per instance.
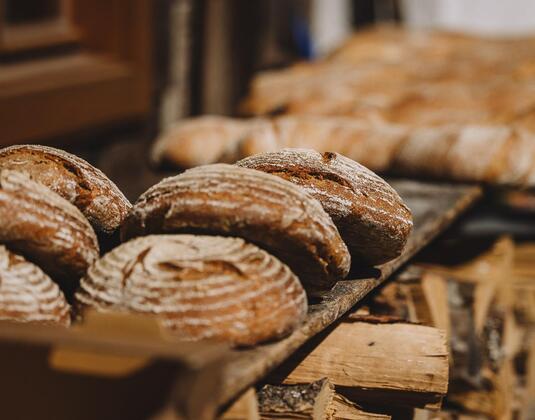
[264, 209]
[45, 228]
[371, 217]
[74, 179]
[199, 287]
[27, 294]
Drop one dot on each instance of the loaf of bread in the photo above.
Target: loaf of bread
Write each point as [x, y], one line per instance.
[45, 228]
[200, 141]
[500, 154]
[412, 77]
[494, 154]
[74, 179]
[371, 143]
[370, 216]
[27, 294]
[199, 287]
[264, 209]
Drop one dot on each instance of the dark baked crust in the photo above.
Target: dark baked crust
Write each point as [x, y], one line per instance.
[97, 197]
[200, 287]
[29, 295]
[45, 228]
[264, 209]
[371, 217]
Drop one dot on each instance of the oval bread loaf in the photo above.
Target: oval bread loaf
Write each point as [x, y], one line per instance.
[45, 228]
[198, 141]
[200, 287]
[369, 214]
[27, 294]
[264, 209]
[97, 197]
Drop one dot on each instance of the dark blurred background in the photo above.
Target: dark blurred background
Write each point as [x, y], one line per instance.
[101, 78]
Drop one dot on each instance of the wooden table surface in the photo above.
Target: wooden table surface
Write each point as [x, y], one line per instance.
[434, 208]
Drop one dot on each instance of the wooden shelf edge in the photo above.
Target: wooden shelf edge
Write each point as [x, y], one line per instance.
[245, 368]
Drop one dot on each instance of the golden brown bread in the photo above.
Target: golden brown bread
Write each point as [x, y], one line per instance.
[74, 179]
[370, 216]
[199, 287]
[371, 143]
[264, 209]
[495, 154]
[29, 295]
[413, 77]
[505, 152]
[45, 228]
[199, 141]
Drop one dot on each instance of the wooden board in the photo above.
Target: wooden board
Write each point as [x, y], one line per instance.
[434, 207]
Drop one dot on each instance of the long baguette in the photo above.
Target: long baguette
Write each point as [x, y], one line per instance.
[490, 153]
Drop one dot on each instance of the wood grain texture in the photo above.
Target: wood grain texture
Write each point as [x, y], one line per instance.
[45, 228]
[345, 409]
[85, 186]
[369, 214]
[198, 287]
[433, 206]
[27, 294]
[404, 364]
[261, 208]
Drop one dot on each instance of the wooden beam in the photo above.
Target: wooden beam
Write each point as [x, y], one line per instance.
[404, 364]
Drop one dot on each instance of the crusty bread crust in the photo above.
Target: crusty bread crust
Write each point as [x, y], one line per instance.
[45, 228]
[264, 209]
[369, 214]
[200, 287]
[97, 197]
[27, 294]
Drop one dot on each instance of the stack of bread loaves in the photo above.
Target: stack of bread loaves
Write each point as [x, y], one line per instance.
[222, 252]
[51, 203]
[410, 102]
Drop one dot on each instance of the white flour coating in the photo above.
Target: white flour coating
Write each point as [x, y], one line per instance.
[67, 175]
[50, 228]
[474, 151]
[372, 144]
[364, 207]
[424, 150]
[520, 159]
[199, 287]
[198, 141]
[27, 294]
[244, 202]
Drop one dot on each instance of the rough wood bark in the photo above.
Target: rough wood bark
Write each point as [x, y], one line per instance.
[300, 401]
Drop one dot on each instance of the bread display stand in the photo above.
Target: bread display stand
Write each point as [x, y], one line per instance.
[434, 208]
[124, 367]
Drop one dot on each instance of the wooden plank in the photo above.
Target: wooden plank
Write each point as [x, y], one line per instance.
[434, 207]
[404, 364]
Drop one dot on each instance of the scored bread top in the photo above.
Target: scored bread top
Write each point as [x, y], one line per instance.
[45, 228]
[27, 294]
[370, 215]
[200, 287]
[85, 186]
[264, 209]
